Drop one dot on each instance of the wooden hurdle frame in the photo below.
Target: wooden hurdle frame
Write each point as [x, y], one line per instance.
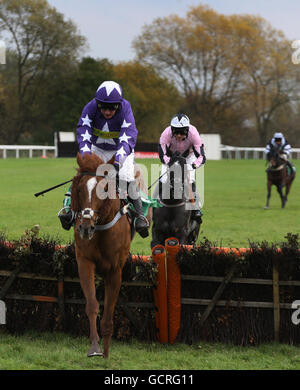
[167, 290]
[168, 298]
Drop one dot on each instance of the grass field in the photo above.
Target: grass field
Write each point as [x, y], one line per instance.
[235, 194]
[234, 199]
[46, 351]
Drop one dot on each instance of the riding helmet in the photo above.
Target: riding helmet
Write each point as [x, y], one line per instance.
[109, 92]
[180, 124]
[278, 136]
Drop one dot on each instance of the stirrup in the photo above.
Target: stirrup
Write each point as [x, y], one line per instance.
[142, 230]
[66, 216]
[197, 215]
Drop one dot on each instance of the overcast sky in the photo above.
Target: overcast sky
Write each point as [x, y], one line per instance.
[111, 25]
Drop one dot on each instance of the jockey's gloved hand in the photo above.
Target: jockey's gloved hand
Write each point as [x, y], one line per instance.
[166, 159]
[194, 166]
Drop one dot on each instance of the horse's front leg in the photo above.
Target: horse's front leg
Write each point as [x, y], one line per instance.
[287, 190]
[86, 270]
[282, 197]
[269, 186]
[112, 288]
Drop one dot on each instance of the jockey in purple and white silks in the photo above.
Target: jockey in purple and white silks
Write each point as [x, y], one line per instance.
[107, 128]
[180, 136]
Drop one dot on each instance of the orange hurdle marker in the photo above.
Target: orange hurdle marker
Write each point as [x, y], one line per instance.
[173, 288]
[160, 294]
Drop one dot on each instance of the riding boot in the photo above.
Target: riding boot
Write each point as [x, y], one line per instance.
[66, 215]
[141, 223]
[291, 167]
[196, 213]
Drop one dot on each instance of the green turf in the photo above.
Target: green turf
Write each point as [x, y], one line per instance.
[57, 351]
[235, 194]
[234, 199]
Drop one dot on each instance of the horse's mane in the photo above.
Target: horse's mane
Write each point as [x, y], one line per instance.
[88, 162]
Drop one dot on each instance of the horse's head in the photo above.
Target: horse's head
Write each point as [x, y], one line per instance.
[177, 158]
[88, 186]
[276, 159]
[176, 176]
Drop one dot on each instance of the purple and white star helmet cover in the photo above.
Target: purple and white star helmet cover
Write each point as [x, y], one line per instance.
[109, 92]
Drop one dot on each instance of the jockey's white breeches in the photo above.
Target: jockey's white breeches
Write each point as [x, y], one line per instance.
[126, 171]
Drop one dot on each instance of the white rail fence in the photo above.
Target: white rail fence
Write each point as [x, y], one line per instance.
[27, 151]
[240, 152]
[226, 152]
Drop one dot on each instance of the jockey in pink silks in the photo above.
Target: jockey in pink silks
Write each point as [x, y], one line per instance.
[180, 136]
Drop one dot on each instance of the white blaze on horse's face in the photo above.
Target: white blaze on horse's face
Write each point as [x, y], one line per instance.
[91, 184]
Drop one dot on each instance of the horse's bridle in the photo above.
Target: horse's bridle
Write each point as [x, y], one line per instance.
[88, 213]
[278, 160]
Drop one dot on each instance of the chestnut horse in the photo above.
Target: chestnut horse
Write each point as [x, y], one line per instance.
[277, 174]
[102, 243]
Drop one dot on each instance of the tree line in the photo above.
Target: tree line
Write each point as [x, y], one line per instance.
[232, 75]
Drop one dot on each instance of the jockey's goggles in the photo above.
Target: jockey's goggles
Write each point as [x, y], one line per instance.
[180, 130]
[109, 106]
[278, 140]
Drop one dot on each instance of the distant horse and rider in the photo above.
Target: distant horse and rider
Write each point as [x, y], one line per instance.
[280, 172]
